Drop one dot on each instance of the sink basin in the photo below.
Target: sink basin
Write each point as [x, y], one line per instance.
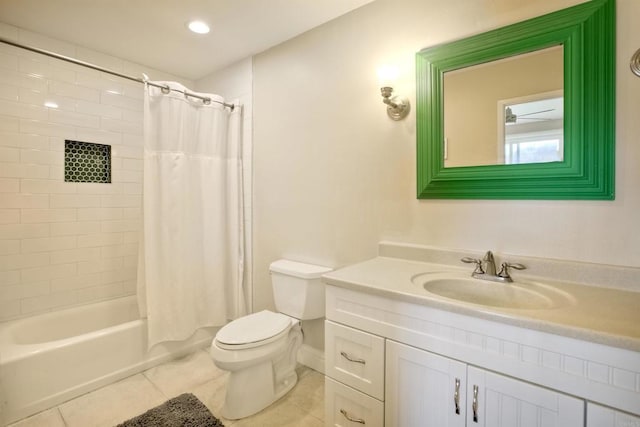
[523, 295]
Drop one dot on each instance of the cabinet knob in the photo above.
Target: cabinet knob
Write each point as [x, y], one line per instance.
[350, 418]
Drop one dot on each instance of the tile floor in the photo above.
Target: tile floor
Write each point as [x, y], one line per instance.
[301, 407]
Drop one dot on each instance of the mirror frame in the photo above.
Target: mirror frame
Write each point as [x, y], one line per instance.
[587, 32]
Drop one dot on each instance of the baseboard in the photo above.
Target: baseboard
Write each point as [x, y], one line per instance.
[311, 357]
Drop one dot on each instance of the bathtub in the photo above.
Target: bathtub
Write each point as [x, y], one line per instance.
[50, 358]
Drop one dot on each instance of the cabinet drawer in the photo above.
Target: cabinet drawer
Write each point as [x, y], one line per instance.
[355, 358]
[346, 407]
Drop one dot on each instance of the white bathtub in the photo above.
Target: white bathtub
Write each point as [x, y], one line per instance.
[53, 357]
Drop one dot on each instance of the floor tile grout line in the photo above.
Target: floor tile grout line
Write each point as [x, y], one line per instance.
[64, 421]
[153, 384]
[195, 385]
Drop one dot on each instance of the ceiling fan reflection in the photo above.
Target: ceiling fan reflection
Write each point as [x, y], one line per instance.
[511, 117]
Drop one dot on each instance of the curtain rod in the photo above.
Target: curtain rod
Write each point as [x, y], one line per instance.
[165, 88]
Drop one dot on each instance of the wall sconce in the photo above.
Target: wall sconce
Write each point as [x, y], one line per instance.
[397, 107]
[635, 63]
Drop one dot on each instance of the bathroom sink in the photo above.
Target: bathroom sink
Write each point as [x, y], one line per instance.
[523, 295]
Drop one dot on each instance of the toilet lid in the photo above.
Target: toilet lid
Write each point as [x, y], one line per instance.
[253, 328]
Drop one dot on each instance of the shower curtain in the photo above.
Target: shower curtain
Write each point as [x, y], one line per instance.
[191, 258]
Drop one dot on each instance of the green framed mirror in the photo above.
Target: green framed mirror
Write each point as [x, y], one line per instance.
[551, 136]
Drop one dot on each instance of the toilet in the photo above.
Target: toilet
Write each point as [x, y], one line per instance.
[259, 350]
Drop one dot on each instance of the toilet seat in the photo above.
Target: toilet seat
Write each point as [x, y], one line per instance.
[253, 330]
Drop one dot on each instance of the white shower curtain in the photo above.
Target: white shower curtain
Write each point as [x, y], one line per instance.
[190, 269]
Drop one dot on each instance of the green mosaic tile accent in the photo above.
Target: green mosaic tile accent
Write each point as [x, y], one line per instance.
[87, 162]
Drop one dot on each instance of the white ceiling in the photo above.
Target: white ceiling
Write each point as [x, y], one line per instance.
[154, 33]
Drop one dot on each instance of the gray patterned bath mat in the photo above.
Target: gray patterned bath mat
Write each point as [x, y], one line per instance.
[182, 411]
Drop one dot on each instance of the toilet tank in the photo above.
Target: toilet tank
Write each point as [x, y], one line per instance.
[298, 290]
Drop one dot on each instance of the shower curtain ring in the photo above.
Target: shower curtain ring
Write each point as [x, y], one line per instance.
[165, 89]
[206, 101]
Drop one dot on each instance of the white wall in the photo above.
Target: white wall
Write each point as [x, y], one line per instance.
[333, 175]
[64, 243]
[234, 83]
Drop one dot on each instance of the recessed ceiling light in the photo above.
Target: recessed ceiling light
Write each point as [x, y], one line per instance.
[50, 104]
[198, 27]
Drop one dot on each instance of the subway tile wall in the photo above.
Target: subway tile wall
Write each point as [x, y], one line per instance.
[66, 243]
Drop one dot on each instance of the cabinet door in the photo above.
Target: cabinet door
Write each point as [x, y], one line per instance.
[421, 388]
[599, 416]
[500, 401]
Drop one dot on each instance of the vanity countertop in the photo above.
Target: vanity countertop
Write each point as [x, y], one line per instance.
[606, 316]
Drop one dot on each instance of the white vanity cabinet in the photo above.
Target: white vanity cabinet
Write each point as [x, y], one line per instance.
[427, 390]
[432, 358]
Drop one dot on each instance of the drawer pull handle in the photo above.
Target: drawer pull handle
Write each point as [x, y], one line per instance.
[351, 359]
[456, 396]
[474, 406]
[353, 420]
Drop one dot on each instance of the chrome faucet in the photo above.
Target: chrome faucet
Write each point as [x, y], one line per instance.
[486, 268]
[489, 264]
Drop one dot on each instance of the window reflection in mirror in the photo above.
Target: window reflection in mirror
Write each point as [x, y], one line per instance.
[506, 111]
[532, 129]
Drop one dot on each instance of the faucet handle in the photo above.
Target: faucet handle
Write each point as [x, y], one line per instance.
[475, 261]
[504, 270]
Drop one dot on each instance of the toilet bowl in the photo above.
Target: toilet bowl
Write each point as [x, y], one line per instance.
[260, 350]
[263, 366]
